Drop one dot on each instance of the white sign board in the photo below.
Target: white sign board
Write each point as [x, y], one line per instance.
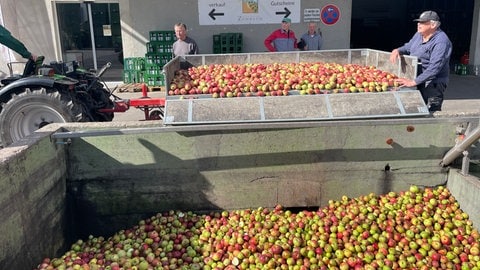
[230, 12]
[311, 15]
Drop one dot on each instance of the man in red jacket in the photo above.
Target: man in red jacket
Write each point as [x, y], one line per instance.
[283, 39]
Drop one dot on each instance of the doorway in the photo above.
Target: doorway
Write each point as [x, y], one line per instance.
[76, 38]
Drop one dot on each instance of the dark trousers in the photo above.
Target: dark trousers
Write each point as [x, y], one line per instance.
[432, 95]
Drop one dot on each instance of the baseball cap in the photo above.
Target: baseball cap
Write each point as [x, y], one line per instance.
[428, 16]
[288, 20]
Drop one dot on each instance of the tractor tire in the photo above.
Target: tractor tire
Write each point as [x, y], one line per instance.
[30, 110]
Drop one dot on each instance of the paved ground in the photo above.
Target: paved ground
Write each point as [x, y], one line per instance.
[462, 95]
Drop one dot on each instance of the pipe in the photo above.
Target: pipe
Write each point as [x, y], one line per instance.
[459, 148]
[92, 33]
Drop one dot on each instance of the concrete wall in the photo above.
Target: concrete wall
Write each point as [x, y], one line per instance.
[475, 38]
[57, 186]
[32, 203]
[466, 189]
[227, 167]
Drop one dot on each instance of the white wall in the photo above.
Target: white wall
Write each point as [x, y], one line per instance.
[154, 15]
[29, 22]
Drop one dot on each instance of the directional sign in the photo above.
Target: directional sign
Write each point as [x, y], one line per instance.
[229, 12]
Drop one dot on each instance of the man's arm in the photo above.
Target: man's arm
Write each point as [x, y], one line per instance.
[14, 44]
[268, 41]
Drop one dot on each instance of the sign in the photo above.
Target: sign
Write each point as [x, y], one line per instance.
[330, 14]
[311, 15]
[107, 30]
[230, 12]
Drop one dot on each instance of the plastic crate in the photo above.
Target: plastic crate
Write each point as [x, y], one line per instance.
[167, 36]
[154, 80]
[231, 49]
[217, 49]
[231, 39]
[156, 47]
[153, 69]
[227, 43]
[216, 40]
[134, 63]
[127, 76]
[159, 59]
[132, 76]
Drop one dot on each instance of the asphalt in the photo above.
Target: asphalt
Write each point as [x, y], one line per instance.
[462, 94]
[461, 97]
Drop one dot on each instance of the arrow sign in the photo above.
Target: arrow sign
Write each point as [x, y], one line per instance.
[286, 12]
[231, 12]
[212, 14]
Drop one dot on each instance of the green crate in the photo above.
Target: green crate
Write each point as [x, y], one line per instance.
[159, 59]
[216, 40]
[156, 47]
[132, 76]
[231, 49]
[134, 63]
[167, 36]
[217, 49]
[153, 70]
[154, 80]
[231, 39]
[127, 76]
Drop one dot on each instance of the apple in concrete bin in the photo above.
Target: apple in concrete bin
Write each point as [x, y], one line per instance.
[361, 233]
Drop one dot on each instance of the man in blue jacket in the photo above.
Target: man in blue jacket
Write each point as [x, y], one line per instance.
[282, 39]
[433, 49]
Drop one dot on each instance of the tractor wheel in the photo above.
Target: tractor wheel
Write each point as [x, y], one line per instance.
[30, 110]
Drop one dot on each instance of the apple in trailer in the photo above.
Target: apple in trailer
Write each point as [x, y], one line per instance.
[287, 76]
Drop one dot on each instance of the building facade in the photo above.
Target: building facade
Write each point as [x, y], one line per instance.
[64, 30]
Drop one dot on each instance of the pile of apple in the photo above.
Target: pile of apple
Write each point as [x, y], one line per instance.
[414, 229]
[238, 80]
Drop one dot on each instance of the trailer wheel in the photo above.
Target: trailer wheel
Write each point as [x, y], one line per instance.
[33, 109]
[156, 115]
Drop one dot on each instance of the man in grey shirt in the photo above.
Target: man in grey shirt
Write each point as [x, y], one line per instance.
[433, 49]
[184, 44]
[313, 39]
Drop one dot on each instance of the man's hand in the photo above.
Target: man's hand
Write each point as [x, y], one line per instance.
[402, 82]
[394, 55]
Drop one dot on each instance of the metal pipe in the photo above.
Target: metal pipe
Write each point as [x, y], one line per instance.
[458, 149]
[92, 33]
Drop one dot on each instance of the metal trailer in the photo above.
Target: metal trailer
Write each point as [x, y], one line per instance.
[202, 109]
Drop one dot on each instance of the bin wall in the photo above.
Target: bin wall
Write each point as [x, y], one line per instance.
[97, 184]
[32, 204]
[201, 168]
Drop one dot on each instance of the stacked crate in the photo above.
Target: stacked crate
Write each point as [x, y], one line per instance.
[133, 68]
[149, 69]
[228, 43]
[159, 52]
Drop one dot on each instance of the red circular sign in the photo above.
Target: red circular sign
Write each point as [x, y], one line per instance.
[330, 14]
